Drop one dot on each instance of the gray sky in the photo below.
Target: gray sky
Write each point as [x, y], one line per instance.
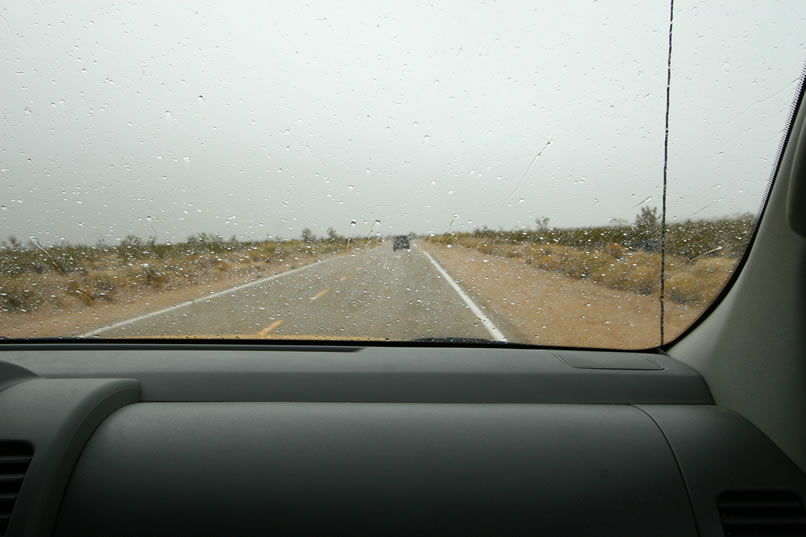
[256, 119]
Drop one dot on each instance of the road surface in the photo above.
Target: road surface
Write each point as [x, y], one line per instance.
[377, 293]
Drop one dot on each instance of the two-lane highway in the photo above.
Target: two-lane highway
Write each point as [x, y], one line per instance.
[377, 293]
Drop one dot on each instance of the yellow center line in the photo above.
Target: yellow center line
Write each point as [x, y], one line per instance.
[271, 327]
[320, 293]
[342, 278]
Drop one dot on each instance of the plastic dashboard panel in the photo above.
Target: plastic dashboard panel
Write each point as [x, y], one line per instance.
[376, 469]
[381, 440]
[375, 374]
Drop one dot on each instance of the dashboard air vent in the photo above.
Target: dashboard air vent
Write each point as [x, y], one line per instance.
[15, 456]
[761, 513]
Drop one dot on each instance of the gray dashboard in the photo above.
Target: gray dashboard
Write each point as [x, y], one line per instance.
[256, 440]
[376, 374]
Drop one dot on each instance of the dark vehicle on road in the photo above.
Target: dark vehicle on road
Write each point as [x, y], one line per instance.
[401, 242]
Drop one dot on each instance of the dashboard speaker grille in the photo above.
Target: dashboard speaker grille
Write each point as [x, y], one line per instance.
[15, 456]
[761, 513]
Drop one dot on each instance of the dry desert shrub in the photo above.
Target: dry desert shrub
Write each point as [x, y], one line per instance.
[62, 276]
[614, 266]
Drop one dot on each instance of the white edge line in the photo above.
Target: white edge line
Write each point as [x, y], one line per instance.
[488, 324]
[196, 300]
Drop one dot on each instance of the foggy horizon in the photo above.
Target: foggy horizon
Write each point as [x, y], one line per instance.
[259, 120]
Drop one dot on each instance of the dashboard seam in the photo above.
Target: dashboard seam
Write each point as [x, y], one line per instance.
[677, 463]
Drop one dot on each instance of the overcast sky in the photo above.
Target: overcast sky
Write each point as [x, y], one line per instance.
[256, 119]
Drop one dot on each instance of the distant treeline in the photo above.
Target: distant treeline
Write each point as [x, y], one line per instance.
[33, 276]
[701, 255]
[17, 258]
[689, 239]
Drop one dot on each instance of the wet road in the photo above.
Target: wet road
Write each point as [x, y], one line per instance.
[377, 293]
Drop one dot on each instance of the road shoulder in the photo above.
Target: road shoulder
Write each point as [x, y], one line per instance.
[548, 308]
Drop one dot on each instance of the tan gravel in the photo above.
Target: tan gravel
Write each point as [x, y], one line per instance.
[548, 308]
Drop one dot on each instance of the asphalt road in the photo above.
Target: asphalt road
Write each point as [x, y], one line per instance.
[377, 293]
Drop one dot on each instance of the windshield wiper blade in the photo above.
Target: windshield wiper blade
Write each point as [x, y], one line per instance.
[458, 340]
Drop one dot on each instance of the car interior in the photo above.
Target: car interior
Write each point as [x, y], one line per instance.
[703, 436]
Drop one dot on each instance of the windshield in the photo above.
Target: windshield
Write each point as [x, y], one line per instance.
[456, 171]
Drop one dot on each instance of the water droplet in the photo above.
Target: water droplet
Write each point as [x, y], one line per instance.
[426, 138]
